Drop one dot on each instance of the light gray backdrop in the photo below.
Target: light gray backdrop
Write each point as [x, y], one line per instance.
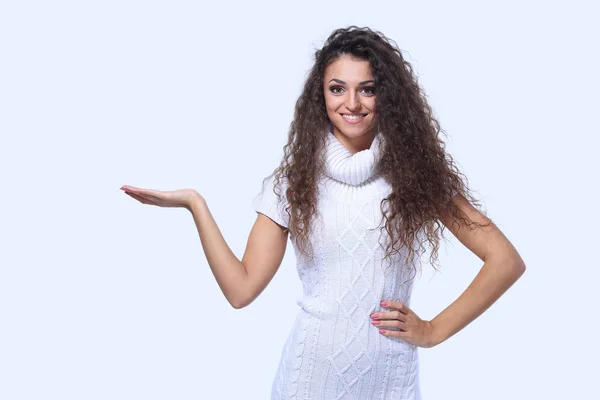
[102, 297]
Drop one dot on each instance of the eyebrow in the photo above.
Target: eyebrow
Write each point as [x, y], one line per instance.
[360, 83]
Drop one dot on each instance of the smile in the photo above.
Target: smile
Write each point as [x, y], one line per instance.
[353, 118]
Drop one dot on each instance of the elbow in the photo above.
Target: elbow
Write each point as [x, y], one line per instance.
[514, 264]
[522, 268]
[519, 268]
[240, 296]
[236, 303]
[513, 267]
[239, 302]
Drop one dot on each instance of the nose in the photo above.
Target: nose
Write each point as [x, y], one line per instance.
[352, 103]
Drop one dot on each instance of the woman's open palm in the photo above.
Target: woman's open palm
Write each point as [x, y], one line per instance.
[175, 198]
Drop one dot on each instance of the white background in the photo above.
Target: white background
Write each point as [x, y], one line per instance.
[102, 297]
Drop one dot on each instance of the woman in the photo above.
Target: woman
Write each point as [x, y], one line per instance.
[363, 185]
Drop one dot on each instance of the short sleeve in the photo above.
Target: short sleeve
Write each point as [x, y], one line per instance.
[268, 203]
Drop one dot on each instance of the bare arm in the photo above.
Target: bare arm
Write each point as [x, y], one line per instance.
[501, 268]
[241, 281]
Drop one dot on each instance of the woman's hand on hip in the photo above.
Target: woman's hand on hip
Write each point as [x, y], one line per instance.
[414, 330]
[176, 198]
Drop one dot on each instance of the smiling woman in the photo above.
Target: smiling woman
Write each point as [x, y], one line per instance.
[350, 101]
[363, 186]
[364, 149]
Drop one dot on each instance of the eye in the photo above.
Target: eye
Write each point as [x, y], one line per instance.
[334, 89]
[370, 89]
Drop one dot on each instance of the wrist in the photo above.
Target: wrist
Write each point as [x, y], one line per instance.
[437, 335]
[196, 203]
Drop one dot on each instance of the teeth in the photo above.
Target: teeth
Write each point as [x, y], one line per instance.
[353, 116]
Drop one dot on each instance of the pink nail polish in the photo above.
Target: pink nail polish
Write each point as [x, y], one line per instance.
[384, 303]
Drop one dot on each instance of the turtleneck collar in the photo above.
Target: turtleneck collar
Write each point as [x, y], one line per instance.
[352, 169]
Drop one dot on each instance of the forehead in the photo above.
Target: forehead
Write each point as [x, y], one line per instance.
[348, 69]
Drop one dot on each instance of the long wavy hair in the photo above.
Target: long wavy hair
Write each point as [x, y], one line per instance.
[423, 177]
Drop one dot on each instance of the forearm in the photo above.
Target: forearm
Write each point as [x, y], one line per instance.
[496, 276]
[228, 270]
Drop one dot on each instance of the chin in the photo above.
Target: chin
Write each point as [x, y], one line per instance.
[353, 132]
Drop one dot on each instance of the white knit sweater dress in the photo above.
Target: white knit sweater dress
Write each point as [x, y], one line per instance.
[333, 351]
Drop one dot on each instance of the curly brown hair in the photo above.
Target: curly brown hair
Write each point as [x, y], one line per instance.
[423, 177]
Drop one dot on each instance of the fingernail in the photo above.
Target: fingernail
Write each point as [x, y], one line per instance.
[375, 322]
[375, 315]
[384, 303]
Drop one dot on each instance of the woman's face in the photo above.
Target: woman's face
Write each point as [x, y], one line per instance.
[349, 91]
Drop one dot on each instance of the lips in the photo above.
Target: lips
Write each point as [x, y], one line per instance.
[353, 118]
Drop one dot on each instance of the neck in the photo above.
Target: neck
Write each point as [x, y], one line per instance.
[351, 168]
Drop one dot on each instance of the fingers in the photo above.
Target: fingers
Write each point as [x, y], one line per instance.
[389, 315]
[396, 305]
[140, 198]
[133, 189]
[398, 323]
[400, 311]
[148, 195]
[389, 323]
[140, 191]
[396, 334]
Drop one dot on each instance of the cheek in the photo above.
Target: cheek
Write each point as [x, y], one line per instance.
[330, 102]
[371, 105]
[373, 114]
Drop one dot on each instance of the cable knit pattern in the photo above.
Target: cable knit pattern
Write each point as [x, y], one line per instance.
[333, 351]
